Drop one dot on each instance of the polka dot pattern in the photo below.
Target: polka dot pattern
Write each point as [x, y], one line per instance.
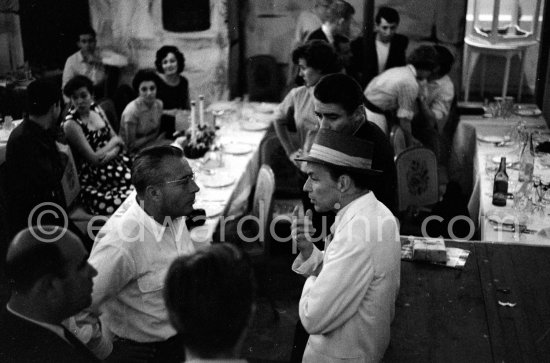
[103, 187]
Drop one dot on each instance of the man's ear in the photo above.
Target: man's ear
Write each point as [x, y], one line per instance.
[153, 192]
[344, 183]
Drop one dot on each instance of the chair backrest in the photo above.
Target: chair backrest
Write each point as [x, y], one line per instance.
[286, 174]
[397, 139]
[263, 201]
[417, 183]
[263, 79]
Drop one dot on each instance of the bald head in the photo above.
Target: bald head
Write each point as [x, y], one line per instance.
[39, 251]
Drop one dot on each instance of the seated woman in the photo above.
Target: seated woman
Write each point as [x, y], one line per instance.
[104, 169]
[173, 88]
[140, 120]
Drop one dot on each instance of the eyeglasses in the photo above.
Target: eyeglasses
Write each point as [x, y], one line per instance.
[183, 181]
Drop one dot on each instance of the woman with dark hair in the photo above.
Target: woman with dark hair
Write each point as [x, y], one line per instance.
[140, 121]
[173, 88]
[104, 170]
[315, 59]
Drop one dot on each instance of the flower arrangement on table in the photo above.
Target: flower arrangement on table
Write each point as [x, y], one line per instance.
[200, 136]
[198, 141]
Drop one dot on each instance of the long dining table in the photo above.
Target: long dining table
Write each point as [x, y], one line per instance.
[495, 309]
[476, 153]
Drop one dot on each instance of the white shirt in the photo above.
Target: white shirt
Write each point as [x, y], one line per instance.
[382, 51]
[132, 254]
[348, 307]
[439, 96]
[396, 89]
[75, 65]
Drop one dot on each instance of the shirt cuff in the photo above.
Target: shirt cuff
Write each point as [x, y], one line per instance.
[307, 267]
[403, 113]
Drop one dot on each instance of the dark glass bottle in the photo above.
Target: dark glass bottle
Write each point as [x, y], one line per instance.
[500, 187]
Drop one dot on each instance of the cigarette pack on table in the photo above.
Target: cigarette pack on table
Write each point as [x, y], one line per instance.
[430, 249]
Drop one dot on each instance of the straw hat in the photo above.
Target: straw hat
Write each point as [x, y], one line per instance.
[342, 151]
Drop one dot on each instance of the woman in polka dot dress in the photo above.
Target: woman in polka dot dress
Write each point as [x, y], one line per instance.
[105, 168]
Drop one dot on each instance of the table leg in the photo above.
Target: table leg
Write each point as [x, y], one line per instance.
[506, 73]
[521, 70]
[471, 59]
[483, 72]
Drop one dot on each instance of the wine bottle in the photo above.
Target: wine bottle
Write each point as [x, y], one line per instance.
[500, 186]
[527, 161]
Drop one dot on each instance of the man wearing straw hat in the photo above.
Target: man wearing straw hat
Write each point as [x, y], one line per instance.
[348, 300]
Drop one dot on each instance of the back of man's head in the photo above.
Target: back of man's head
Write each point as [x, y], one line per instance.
[445, 59]
[34, 253]
[423, 57]
[339, 9]
[41, 95]
[340, 89]
[147, 168]
[389, 14]
[210, 297]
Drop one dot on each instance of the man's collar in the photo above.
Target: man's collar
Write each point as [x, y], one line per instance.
[149, 222]
[412, 69]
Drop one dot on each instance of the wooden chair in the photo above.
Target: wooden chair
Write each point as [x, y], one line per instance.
[417, 187]
[255, 238]
[397, 139]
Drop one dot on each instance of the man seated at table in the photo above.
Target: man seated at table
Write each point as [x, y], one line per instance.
[392, 95]
[51, 280]
[348, 300]
[386, 49]
[132, 253]
[435, 101]
[34, 167]
[86, 62]
[210, 299]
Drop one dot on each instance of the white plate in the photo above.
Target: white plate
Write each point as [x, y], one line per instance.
[528, 112]
[509, 160]
[265, 107]
[218, 181]
[490, 138]
[237, 148]
[254, 125]
[212, 209]
[221, 106]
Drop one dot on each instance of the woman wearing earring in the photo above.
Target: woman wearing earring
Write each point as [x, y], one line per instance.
[140, 121]
[104, 171]
[173, 88]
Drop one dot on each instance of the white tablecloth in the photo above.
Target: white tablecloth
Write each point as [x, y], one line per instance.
[468, 166]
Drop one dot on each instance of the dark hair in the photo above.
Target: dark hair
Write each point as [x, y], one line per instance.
[76, 83]
[163, 53]
[361, 181]
[389, 14]
[40, 259]
[423, 57]
[144, 75]
[41, 95]
[210, 296]
[147, 167]
[339, 9]
[340, 89]
[445, 59]
[85, 30]
[318, 55]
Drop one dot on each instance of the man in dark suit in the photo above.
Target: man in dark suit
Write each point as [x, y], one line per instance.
[386, 50]
[51, 280]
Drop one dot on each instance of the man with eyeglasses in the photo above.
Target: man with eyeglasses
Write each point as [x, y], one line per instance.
[132, 254]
